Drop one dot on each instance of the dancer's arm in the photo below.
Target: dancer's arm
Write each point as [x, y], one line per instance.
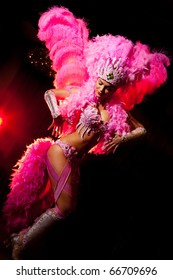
[52, 98]
[137, 131]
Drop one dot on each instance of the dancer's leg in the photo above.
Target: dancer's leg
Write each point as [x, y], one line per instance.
[40, 227]
[62, 181]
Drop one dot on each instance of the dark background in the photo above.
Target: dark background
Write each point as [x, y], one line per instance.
[125, 204]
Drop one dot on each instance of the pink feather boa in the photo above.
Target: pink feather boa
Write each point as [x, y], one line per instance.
[29, 194]
[70, 109]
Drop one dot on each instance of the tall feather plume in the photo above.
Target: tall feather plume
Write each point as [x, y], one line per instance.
[65, 37]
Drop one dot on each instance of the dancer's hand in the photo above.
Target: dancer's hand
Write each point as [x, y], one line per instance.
[56, 126]
[113, 144]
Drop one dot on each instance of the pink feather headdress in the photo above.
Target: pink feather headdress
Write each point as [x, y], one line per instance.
[77, 60]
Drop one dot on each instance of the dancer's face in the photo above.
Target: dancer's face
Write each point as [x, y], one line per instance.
[103, 89]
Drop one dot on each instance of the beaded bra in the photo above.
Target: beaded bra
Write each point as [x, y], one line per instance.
[90, 120]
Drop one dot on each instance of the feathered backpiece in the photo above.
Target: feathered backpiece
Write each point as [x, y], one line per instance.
[65, 37]
[78, 61]
[147, 72]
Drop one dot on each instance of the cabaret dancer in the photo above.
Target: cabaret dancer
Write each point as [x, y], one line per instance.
[97, 83]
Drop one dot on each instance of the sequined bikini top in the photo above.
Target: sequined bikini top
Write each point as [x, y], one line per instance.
[90, 120]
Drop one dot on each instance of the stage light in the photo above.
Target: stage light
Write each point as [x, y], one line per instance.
[1, 121]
